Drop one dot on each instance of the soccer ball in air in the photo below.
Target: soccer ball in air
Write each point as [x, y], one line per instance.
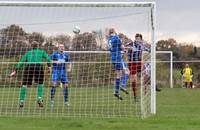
[76, 30]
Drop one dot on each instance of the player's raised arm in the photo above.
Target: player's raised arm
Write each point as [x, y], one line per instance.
[145, 46]
[130, 46]
[19, 65]
[69, 65]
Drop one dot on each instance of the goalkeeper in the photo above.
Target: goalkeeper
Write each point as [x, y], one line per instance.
[33, 69]
[188, 75]
[59, 72]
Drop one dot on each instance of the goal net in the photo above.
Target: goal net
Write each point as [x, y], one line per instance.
[92, 78]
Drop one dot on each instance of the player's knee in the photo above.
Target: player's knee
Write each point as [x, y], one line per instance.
[55, 84]
[118, 74]
[133, 78]
[65, 85]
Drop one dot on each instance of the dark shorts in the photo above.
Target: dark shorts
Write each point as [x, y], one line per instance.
[134, 67]
[33, 71]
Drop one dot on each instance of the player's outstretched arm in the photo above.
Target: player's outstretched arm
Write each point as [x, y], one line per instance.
[19, 65]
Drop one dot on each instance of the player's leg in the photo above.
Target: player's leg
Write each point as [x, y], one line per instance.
[39, 79]
[27, 80]
[22, 95]
[53, 90]
[117, 81]
[186, 84]
[118, 72]
[183, 81]
[65, 93]
[134, 85]
[124, 82]
[55, 83]
[146, 82]
[158, 89]
[191, 84]
[133, 78]
[40, 89]
[52, 93]
[137, 76]
[55, 79]
[65, 81]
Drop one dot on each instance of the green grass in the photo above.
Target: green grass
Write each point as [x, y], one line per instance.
[100, 103]
[177, 109]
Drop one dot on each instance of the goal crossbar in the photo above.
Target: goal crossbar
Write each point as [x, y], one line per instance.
[77, 4]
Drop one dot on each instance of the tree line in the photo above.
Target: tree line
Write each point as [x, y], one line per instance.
[15, 40]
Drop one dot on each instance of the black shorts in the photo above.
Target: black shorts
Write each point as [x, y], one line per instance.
[33, 71]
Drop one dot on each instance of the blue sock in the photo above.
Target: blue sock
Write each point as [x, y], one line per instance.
[117, 85]
[53, 91]
[65, 91]
[124, 80]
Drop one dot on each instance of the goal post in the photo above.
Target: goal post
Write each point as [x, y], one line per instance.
[92, 77]
[170, 53]
[153, 58]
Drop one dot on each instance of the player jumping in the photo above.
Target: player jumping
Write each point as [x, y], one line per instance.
[116, 47]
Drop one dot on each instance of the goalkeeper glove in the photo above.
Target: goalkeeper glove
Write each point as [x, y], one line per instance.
[13, 73]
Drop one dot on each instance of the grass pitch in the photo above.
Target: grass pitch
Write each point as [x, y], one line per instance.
[177, 109]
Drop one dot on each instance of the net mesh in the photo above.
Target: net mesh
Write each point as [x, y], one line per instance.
[92, 77]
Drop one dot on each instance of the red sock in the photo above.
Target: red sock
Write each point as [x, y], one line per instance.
[134, 88]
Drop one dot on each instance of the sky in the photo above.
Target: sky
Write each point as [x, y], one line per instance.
[177, 19]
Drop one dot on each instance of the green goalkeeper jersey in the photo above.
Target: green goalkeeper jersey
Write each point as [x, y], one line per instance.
[36, 56]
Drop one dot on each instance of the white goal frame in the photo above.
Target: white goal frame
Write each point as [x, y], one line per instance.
[151, 5]
[171, 65]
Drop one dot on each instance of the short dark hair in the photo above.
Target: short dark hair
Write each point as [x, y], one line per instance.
[35, 44]
[111, 30]
[138, 35]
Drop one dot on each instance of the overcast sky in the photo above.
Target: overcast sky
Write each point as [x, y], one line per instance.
[178, 19]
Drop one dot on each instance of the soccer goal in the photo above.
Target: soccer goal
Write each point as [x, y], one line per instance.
[91, 80]
[165, 68]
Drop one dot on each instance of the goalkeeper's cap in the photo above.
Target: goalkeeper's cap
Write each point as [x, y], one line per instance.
[35, 44]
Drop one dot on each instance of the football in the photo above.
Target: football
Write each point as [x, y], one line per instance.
[76, 30]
